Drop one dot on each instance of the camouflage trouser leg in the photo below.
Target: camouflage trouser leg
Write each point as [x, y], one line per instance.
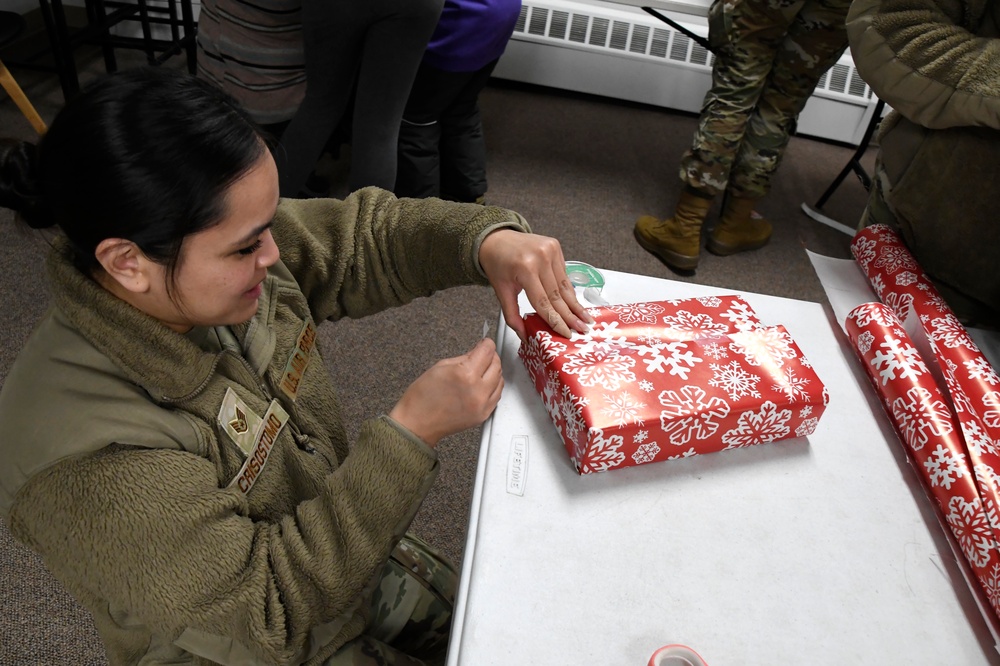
[815, 41]
[411, 612]
[750, 38]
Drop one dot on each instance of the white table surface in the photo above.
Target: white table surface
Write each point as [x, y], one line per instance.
[810, 551]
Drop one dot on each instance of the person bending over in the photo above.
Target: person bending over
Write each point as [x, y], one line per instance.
[172, 443]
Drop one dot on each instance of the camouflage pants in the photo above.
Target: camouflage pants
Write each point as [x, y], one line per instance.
[769, 56]
[411, 612]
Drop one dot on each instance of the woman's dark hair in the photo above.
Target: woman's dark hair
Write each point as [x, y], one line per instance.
[145, 155]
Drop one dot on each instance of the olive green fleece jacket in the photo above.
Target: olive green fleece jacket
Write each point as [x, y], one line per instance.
[118, 473]
[937, 64]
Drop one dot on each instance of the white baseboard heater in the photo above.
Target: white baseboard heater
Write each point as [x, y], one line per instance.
[621, 52]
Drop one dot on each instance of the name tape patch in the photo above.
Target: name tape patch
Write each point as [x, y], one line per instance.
[298, 361]
[274, 421]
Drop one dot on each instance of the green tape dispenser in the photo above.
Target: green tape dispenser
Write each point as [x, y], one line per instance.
[589, 279]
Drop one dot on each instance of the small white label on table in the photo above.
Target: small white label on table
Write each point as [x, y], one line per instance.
[517, 465]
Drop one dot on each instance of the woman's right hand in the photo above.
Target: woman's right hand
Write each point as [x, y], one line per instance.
[453, 395]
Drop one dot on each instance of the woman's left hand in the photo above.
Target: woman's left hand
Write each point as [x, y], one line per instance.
[514, 261]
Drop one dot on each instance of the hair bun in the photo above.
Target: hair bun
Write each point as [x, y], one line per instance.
[19, 189]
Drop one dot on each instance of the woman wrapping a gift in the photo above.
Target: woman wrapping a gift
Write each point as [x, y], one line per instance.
[173, 447]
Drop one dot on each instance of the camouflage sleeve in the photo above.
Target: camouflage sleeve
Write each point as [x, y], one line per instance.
[372, 251]
[923, 58]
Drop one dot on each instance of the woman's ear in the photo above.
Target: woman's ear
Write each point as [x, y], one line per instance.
[124, 263]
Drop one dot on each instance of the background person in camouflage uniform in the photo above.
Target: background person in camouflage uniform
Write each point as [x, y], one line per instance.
[769, 56]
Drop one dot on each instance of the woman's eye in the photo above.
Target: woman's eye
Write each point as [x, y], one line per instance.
[250, 249]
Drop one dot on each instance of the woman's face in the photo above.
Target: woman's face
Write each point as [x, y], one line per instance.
[220, 270]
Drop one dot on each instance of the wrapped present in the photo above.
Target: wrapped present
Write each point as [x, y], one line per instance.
[668, 379]
[952, 430]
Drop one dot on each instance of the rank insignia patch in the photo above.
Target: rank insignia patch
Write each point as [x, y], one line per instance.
[239, 421]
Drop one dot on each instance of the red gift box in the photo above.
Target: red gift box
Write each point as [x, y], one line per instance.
[668, 379]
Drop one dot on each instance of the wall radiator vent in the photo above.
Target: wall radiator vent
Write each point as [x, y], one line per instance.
[620, 51]
[602, 33]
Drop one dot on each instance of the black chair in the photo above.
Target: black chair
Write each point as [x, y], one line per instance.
[11, 26]
[102, 17]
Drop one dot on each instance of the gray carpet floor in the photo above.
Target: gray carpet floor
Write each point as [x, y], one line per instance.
[579, 168]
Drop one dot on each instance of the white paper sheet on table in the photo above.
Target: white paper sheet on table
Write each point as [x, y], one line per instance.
[847, 287]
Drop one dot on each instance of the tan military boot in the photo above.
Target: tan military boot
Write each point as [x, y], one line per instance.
[677, 240]
[739, 230]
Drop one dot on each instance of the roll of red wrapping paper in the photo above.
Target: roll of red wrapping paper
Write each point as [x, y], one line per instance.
[972, 382]
[963, 484]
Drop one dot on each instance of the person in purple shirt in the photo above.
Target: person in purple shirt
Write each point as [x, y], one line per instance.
[442, 152]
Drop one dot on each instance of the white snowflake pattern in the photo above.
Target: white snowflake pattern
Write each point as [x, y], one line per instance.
[551, 389]
[687, 454]
[766, 425]
[972, 530]
[865, 341]
[805, 411]
[603, 452]
[647, 336]
[714, 350]
[898, 356]
[878, 284]
[894, 258]
[991, 416]
[623, 408]
[949, 332]
[945, 467]
[980, 368]
[537, 350]
[959, 398]
[991, 583]
[646, 453]
[742, 316]
[602, 333]
[764, 346]
[646, 385]
[920, 416]
[864, 251]
[634, 313]
[595, 312]
[603, 365]
[675, 355]
[710, 301]
[640, 437]
[793, 387]
[571, 410]
[976, 438]
[688, 414]
[807, 427]
[906, 278]
[899, 302]
[687, 326]
[873, 313]
[734, 380]
[935, 301]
